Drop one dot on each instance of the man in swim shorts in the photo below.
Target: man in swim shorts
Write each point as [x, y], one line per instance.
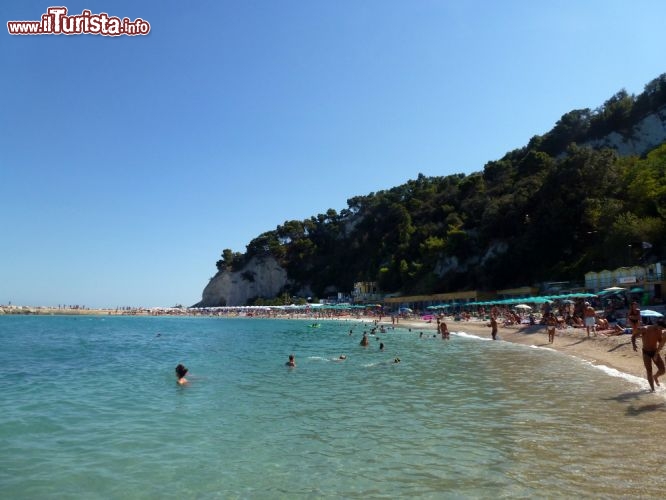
[654, 338]
[590, 316]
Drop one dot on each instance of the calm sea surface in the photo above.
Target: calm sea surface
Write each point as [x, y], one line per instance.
[90, 409]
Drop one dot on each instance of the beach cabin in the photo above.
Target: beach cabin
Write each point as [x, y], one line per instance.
[645, 283]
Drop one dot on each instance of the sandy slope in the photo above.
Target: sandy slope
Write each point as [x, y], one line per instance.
[612, 351]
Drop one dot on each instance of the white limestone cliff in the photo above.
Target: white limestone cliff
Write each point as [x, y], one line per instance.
[261, 277]
[644, 136]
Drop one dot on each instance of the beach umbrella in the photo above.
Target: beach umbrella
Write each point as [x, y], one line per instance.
[614, 289]
[636, 289]
[405, 309]
[608, 292]
[649, 313]
[523, 306]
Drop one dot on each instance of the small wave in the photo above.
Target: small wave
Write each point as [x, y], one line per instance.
[640, 381]
[468, 335]
[388, 362]
[543, 348]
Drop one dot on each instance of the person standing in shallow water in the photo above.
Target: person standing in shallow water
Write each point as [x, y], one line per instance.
[443, 330]
[654, 338]
[493, 326]
[181, 371]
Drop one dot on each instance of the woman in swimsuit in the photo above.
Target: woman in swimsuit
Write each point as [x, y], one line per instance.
[551, 324]
[634, 316]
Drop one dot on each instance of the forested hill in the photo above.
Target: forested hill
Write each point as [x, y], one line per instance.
[552, 210]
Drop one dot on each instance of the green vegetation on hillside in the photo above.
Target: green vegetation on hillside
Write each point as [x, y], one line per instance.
[549, 211]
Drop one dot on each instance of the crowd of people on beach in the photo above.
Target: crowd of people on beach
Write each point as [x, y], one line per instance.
[572, 315]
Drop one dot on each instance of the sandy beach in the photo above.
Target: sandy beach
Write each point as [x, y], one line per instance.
[614, 351]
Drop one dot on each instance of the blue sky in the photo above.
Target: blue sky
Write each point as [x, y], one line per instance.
[127, 164]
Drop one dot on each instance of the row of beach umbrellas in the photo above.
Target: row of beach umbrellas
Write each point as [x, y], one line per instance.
[522, 302]
[518, 302]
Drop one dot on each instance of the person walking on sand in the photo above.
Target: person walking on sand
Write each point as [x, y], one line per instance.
[654, 338]
[590, 318]
[493, 326]
[551, 324]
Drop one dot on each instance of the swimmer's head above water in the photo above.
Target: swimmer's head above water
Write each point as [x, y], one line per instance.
[181, 371]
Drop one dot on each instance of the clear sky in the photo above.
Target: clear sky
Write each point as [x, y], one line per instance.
[127, 164]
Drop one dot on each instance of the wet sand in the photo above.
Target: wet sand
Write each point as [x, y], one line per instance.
[614, 351]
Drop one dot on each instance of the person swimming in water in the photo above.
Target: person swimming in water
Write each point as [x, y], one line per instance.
[181, 371]
[292, 361]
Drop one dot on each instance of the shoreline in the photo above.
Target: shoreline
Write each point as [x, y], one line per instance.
[612, 351]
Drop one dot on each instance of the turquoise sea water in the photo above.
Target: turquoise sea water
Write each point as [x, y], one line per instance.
[90, 409]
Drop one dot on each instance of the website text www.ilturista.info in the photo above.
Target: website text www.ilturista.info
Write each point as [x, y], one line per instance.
[56, 22]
